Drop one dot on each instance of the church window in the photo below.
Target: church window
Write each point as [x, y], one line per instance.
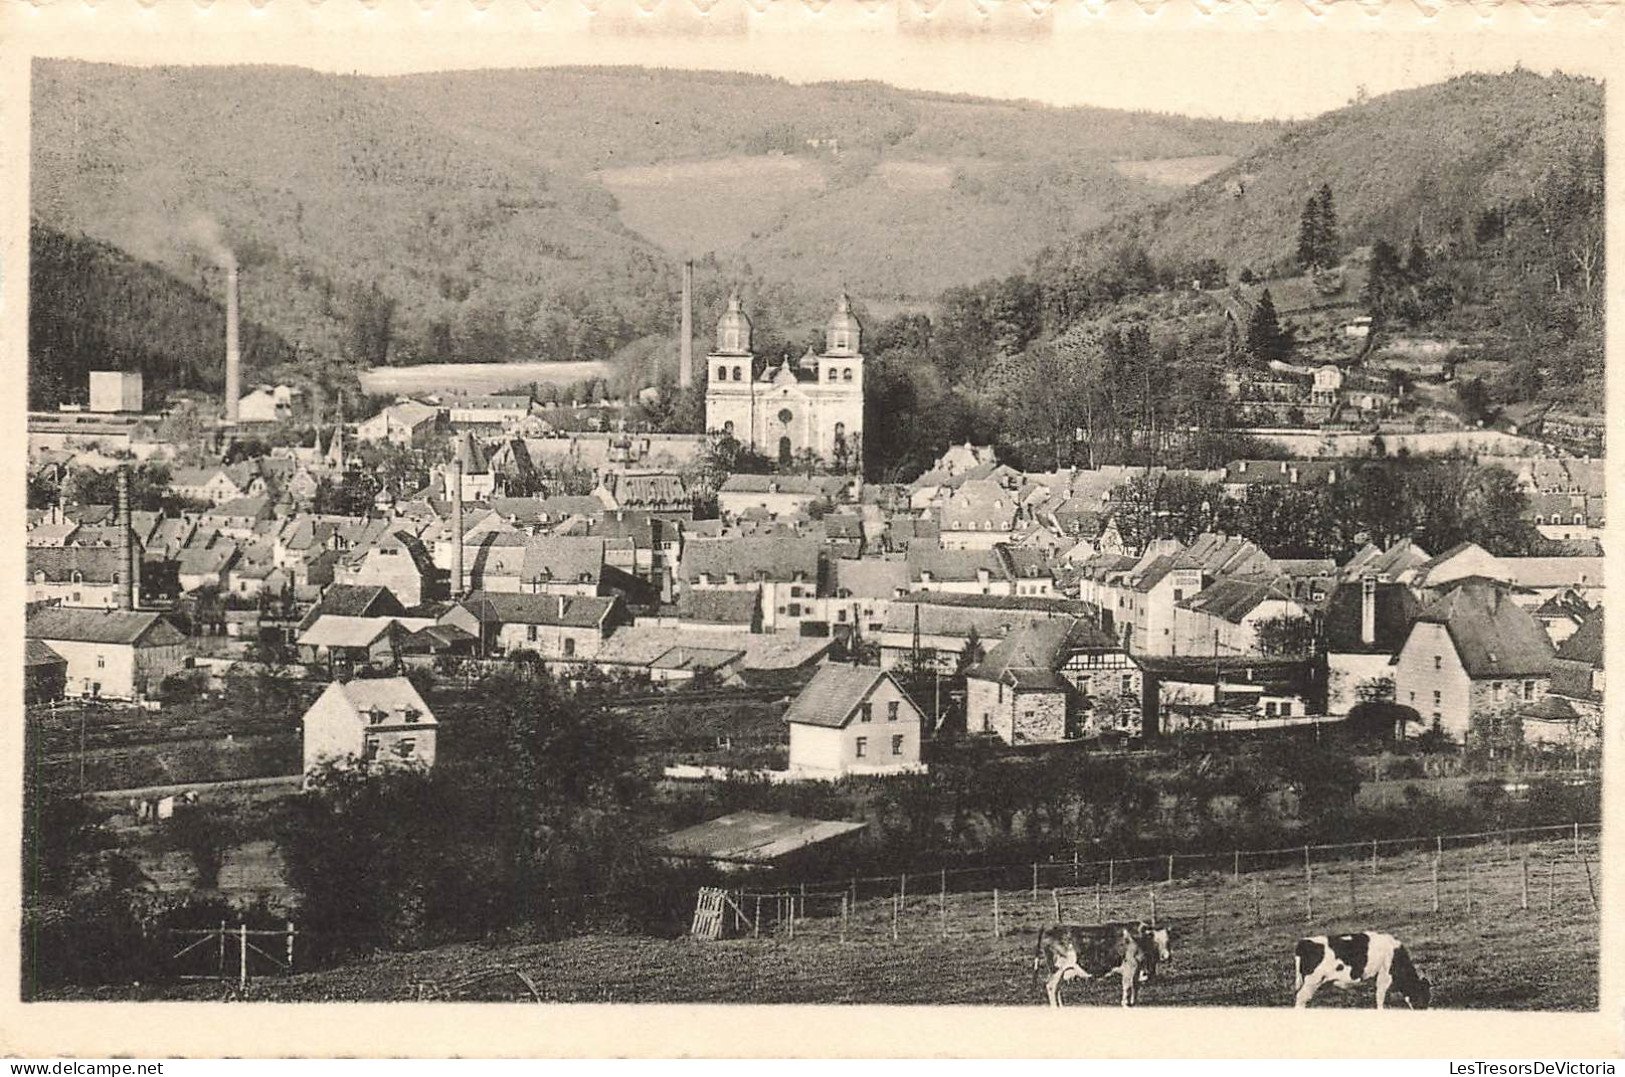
[846, 374]
[831, 374]
[728, 428]
[784, 450]
[785, 416]
[738, 375]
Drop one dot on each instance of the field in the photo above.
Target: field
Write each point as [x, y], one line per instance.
[1489, 954]
[690, 207]
[1174, 171]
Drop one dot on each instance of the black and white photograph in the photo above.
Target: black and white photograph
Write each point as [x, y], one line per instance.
[727, 532]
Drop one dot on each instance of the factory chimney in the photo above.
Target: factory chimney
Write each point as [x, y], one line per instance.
[457, 529]
[685, 345]
[1368, 611]
[126, 561]
[234, 358]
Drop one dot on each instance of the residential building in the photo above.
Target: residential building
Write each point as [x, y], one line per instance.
[1365, 626]
[853, 720]
[377, 723]
[116, 654]
[565, 628]
[1053, 680]
[787, 572]
[406, 423]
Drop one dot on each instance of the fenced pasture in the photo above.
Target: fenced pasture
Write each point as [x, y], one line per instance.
[1489, 943]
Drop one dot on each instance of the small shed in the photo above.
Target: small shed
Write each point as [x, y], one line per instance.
[46, 672]
[750, 840]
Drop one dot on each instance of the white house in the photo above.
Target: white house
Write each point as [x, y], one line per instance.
[853, 720]
[379, 723]
[119, 654]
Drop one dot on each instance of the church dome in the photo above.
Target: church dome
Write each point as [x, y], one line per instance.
[733, 329]
[842, 334]
[809, 361]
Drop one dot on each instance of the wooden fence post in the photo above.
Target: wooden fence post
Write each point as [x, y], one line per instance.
[1153, 906]
[1354, 901]
[942, 903]
[1308, 889]
[1435, 881]
[1258, 903]
[995, 912]
[902, 887]
[803, 900]
[896, 903]
[756, 928]
[1591, 888]
[1577, 838]
[1235, 865]
[1055, 897]
[242, 956]
[792, 903]
[843, 916]
[1076, 877]
[1111, 873]
[1373, 856]
[1551, 885]
[1170, 867]
[1035, 880]
[1523, 895]
[1099, 916]
[290, 945]
[222, 950]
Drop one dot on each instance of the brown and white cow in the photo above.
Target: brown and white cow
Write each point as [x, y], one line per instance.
[1346, 960]
[1072, 951]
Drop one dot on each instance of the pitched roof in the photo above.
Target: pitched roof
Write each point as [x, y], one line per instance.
[1586, 644]
[102, 626]
[568, 559]
[567, 611]
[94, 564]
[1493, 636]
[869, 578]
[773, 557]
[333, 630]
[392, 695]
[1234, 599]
[831, 698]
[1543, 572]
[715, 605]
[954, 565]
[1042, 645]
[38, 653]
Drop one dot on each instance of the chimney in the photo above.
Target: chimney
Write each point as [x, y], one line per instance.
[685, 345]
[456, 529]
[234, 357]
[126, 589]
[561, 607]
[1368, 611]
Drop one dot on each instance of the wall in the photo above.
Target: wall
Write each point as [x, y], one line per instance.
[1346, 672]
[1494, 723]
[1037, 717]
[110, 665]
[1416, 680]
[550, 640]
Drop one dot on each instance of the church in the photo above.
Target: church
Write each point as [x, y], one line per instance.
[813, 403]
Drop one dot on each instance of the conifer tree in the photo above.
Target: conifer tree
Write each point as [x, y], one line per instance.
[1266, 338]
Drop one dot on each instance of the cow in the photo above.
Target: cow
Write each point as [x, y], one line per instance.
[1346, 960]
[1070, 951]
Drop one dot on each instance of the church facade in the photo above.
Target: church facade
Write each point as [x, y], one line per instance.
[787, 408]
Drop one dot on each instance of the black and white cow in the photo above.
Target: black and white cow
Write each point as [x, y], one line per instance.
[1071, 951]
[1346, 960]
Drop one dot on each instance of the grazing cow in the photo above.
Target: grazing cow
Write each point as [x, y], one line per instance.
[1083, 952]
[1346, 960]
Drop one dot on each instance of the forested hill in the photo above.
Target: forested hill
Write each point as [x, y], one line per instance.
[543, 214]
[1427, 159]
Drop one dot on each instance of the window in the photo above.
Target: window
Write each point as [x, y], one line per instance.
[1179, 594]
[405, 747]
[76, 597]
[1497, 688]
[1438, 661]
[101, 661]
[891, 711]
[1269, 709]
[1528, 690]
[1413, 697]
[794, 609]
[897, 745]
[846, 375]
[569, 646]
[1438, 697]
[1437, 720]
[1128, 683]
[530, 633]
[862, 747]
[865, 712]
[831, 374]
[738, 374]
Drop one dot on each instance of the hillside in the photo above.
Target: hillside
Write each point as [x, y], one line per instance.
[1426, 158]
[542, 214]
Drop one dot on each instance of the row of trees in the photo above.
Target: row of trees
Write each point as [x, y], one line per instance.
[1436, 501]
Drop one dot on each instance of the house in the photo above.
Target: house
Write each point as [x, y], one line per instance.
[778, 495]
[1386, 566]
[91, 577]
[214, 485]
[405, 423]
[1471, 660]
[346, 600]
[787, 571]
[45, 673]
[717, 608]
[1569, 716]
[1459, 562]
[1365, 626]
[853, 720]
[979, 514]
[206, 565]
[1550, 577]
[687, 664]
[357, 640]
[1562, 615]
[478, 410]
[1053, 680]
[946, 626]
[863, 592]
[555, 627]
[238, 517]
[116, 654]
[397, 561]
[268, 404]
[750, 841]
[562, 565]
[645, 491]
[1233, 616]
[377, 723]
[959, 571]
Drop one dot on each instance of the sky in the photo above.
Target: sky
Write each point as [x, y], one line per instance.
[1239, 65]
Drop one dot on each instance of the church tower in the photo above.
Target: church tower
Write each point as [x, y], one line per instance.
[729, 392]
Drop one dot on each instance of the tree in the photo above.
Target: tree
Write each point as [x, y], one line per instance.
[1317, 231]
[1267, 339]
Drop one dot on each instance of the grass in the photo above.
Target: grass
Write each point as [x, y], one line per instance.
[1496, 956]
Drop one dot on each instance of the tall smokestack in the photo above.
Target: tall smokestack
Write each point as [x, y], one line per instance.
[234, 357]
[126, 586]
[456, 529]
[685, 353]
[1368, 611]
